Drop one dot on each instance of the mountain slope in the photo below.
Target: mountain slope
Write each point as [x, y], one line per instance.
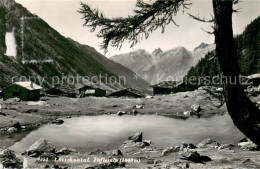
[43, 42]
[171, 65]
[201, 51]
[114, 67]
[135, 60]
[248, 48]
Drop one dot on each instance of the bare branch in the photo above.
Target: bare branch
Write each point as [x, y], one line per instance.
[211, 33]
[201, 19]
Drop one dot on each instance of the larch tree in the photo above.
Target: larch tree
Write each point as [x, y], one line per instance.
[149, 17]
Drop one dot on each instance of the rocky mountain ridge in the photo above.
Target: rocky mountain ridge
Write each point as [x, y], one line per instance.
[161, 65]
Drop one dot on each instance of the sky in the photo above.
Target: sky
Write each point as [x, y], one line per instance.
[62, 15]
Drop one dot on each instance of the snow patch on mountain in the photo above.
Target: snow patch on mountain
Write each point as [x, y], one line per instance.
[11, 44]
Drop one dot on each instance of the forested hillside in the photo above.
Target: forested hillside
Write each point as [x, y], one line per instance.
[248, 55]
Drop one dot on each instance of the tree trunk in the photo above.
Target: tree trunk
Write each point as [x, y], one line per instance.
[244, 113]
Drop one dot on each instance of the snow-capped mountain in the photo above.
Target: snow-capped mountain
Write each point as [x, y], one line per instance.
[162, 66]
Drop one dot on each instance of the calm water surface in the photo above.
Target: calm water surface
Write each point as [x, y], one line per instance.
[110, 131]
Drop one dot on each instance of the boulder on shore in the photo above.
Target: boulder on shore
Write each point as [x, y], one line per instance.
[170, 150]
[185, 146]
[50, 156]
[2, 114]
[133, 144]
[208, 143]
[195, 108]
[31, 111]
[139, 106]
[40, 147]
[247, 144]
[134, 112]
[17, 125]
[57, 121]
[147, 142]
[12, 129]
[110, 165]
[121, 113]
[66, 151]
[190, 113]
[137, 137]
[117, 153]
[226, 146]
[9, 160]
[194, 156]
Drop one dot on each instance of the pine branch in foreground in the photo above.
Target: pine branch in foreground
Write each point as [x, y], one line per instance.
[147, 18]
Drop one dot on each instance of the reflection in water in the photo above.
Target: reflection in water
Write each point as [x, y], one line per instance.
[7, 140]
[110, 131]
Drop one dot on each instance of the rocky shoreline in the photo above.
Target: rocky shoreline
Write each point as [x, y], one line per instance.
[137, 153]
[19, 117]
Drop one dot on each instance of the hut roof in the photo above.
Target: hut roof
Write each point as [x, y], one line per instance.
[66, 89]
[134, 91]
[29, 85]
[54, 88]
[85, 87]
[80, 86]
[167, 84]
[100, 89]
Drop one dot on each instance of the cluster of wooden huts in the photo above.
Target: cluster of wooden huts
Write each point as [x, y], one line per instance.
[80, 92]
[169, 87]
[28, 91]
